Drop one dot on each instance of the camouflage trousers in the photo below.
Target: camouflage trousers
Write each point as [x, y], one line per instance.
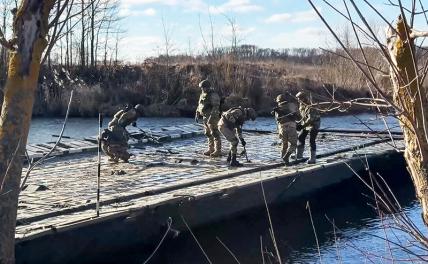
[288, 135]
[230, 135]
[211, 130]
[115, 151]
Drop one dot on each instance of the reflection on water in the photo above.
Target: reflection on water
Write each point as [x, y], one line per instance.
[347, 204]
[42, 129]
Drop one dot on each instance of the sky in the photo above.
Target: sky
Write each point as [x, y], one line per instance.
[273, 24]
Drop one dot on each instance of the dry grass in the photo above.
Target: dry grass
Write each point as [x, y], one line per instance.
[171, 88]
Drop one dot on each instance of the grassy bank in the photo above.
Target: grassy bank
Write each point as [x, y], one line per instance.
[169, 87]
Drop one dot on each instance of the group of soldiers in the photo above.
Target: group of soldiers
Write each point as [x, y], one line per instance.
[306, 119]
[289, 118]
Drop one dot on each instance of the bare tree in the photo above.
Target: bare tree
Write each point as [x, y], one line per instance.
[30, 28]
[407, 70]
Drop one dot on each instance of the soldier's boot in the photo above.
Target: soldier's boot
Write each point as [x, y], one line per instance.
[286, 159]
[125, 157]
[229, 157]
[313, 158]
[300, 150]
[217, 151]
[210, 148]
[234, 162]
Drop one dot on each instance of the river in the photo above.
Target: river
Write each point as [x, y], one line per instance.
[357, 241]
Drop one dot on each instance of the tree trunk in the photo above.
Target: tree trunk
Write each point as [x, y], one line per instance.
[23, 74]
[82, 40]
[410, 96]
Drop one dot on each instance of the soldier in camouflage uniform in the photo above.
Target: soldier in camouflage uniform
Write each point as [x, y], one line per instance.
[310, 124]
[286, 114]
[209, 111]
[230, 125]
[114, 140]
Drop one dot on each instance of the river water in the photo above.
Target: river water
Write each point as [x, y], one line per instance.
[42, 129]
[359, 240]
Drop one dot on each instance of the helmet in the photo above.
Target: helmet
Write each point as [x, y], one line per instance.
[281, 98]
[301, 95]
[205, 84]
[250, 113]
[139, 108]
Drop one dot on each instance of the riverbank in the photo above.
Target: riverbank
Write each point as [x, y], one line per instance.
[170, 88]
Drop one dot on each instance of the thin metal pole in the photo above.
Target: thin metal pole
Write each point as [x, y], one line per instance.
[100, 119]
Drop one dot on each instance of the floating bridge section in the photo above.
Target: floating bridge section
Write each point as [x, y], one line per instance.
[169, 180]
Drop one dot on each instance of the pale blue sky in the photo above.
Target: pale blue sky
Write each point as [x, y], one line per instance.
[265, 23]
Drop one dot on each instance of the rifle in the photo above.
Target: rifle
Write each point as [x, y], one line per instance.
[246, 155]
[146, 135]
[245, 149]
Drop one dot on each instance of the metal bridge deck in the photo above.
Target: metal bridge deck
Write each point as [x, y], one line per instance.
[63, 190]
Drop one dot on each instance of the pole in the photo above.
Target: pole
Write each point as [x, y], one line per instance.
[100, 119]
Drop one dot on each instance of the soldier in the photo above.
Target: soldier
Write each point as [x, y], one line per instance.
[310, 124]
[209, 111]
[230, 125]
[115, 139]
[286, 115]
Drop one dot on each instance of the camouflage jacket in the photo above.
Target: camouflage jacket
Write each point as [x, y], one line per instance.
[286, 112]
[310, 117]
[124, 118]
[120, 121]
[234, 118]
[209, 105]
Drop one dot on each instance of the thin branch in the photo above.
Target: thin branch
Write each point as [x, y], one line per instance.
[27, 174]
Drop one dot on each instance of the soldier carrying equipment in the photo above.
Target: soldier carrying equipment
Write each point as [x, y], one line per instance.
[286, 115]
[114, 139]
[230, 125]
[209, 111]
[310, 123]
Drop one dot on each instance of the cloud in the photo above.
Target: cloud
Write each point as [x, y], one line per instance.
[308, 37]
[297, 17]
[236, 6]
[139, 46]
[195, 5]
[127, 10]
[149, 12]
[230, 6]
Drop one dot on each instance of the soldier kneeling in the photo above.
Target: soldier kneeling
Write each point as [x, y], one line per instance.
[230, 125]
[114, 140]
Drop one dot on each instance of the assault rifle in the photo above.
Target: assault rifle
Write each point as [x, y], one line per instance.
[148, 136]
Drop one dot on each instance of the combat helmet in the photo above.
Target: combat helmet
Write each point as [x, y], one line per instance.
[139, 108]
[205, 84]
[281, 98]
[250, 113]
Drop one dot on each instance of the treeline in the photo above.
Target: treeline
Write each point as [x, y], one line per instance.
[82, 33]
[250, 53]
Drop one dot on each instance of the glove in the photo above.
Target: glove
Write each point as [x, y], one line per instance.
[243, 142]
